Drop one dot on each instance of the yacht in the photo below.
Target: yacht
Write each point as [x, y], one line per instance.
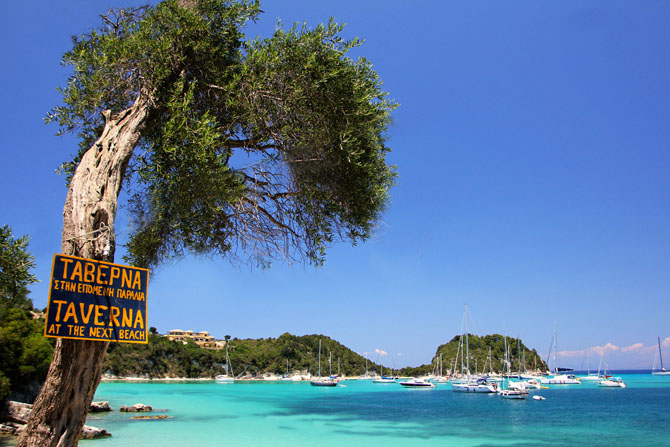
[417, 383]
[612, 382]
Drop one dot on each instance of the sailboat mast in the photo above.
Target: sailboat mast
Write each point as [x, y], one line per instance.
[659, 353]
[518, 347]
[490, 362]
[319, 357]
[555, 350]
[460, 350]
[505, 356]
[467, 348]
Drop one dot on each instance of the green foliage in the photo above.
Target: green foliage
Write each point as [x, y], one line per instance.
[272, 147]
[479, 356]
[5, 386]
[15, 276]
[25, 354]
[163, 358]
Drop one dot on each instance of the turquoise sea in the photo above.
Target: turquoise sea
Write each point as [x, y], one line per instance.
[360, 413]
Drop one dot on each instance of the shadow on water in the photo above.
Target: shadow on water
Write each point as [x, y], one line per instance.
[568, 416]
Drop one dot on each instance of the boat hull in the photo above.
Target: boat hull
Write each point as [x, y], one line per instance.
[612, 384]
[560, 380]
[323, 383]
[417, 383]
[513, 394]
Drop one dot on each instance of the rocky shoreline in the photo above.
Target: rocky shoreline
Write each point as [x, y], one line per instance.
[14, 417]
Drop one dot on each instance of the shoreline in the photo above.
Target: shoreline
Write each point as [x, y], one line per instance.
[107, 379]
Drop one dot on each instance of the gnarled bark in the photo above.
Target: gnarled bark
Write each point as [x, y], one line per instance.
[60, 409]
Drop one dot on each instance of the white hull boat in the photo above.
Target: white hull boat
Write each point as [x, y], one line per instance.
[384, 380]
[663, 371]
[479, 386]
[417, 383]
[223, 378]
[590, 378]
[561, 379]
[612, 383]
[513, 394]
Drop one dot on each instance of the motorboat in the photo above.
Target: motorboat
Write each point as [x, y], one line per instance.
[324, 381]
[513, 393]
[474, 386]
[417, 383]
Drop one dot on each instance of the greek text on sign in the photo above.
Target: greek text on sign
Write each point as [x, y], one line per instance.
[95, 300]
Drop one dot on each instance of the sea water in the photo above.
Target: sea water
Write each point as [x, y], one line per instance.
[361, 413]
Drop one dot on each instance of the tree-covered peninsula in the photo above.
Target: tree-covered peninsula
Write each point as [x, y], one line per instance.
[487, 353]
[162, 358]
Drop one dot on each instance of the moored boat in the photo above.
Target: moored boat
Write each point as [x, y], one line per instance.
[612, 382]
[228, 377]
[561, 379]
[384, 379]
[513, 393]
[417, 383]
[663, 371]
[323, 381]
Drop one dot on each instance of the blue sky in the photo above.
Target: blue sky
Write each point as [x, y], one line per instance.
[532, 148]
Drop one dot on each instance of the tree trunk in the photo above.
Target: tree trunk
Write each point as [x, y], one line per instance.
[60, 409]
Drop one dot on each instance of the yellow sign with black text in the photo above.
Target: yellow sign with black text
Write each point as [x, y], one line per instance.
[96, 300]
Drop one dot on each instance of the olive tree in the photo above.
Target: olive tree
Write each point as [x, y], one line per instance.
[252, 149]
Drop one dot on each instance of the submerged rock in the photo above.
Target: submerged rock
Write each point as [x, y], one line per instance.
[89, 432]
[98, 407]
[155, 416]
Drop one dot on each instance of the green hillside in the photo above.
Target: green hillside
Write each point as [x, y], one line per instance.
[164, 358]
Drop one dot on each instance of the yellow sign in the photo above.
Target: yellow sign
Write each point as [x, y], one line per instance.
[96, 300]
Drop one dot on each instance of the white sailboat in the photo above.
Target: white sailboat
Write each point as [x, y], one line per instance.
[559, 379]
[509, 389]
[589, 377]
[663, 371]
[609, 381]
[322, 381]
[384, 379]
[228, 377]
[471, 384]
